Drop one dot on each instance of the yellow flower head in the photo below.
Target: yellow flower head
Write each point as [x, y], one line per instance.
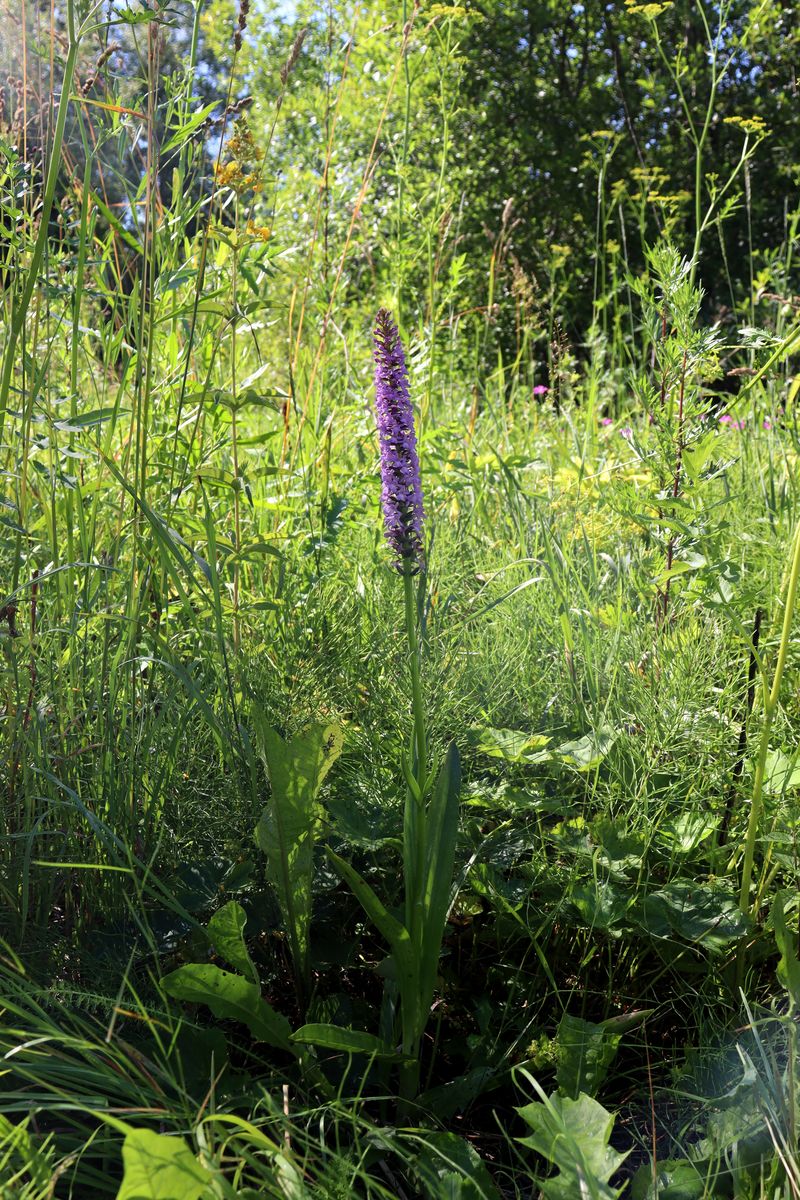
[260, 233]
[754, 125]
[650, 11]
[242, 150]
[228, 174]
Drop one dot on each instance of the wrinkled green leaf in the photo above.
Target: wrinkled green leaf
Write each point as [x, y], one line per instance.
[601, 905]
[675, 1180]
[706, 914]
[449, 1168]
[588, 752]
[781, 773]
[788, 967]
[457, 1094]
[226, 931]
[159, 1167]
[513, 745]
[285, 833]
[585, 1052]
[229, 997]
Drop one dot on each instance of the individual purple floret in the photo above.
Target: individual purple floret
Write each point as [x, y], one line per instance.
[401, 494]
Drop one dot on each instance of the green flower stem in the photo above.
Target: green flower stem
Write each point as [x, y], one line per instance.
[416, 687]
[414, 848]
[770, 707]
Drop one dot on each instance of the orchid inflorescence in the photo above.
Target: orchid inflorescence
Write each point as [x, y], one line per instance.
[401, 492]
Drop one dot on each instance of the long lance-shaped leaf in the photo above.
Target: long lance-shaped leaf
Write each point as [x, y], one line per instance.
[396, 935]
[413, 840]
[440, 849]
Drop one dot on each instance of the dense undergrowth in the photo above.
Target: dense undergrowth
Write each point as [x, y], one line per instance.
[206, 702]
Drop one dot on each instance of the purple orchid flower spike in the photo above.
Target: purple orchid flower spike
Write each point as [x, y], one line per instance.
[401, 493]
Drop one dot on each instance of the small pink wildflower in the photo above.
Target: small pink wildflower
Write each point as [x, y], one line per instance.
[767, 423]
[627, 432]
[540, 390]
[606, 421]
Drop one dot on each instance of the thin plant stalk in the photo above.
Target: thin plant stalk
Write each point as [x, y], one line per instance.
[54, 166]
[676, 489]
[415, 836]
[771, 699]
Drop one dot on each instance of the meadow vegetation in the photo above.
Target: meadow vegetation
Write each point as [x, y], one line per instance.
[476, 878]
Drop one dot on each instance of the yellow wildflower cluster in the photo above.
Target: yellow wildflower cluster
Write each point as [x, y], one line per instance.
[560, 254]
[587, 500]
[754, 125]
[232, 175]
[446, 10]
[648, 175]
[242, 144]
[260, 233]
[236, 173]
[665, 197]
[651, 11]
[453, 12]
